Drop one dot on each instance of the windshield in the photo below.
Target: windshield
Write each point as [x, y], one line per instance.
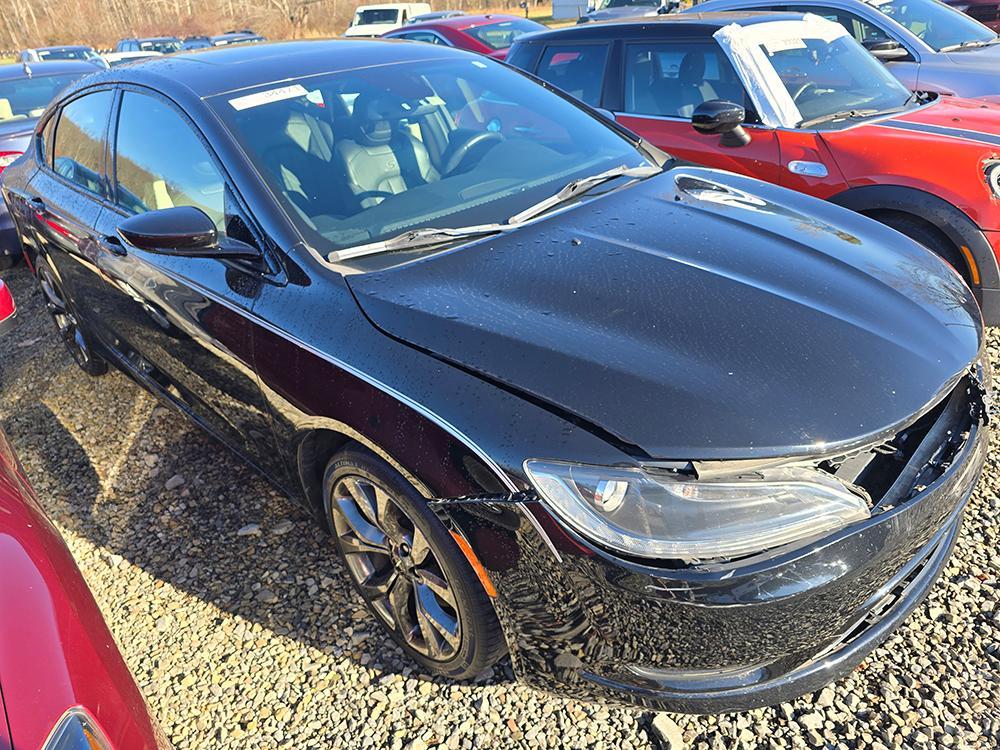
[823, 78]
[66, 54]
[164, 46]
[501, 35]
[361, 156]
[935, 23]
[376, 15]
[23, 98]
[605, 4]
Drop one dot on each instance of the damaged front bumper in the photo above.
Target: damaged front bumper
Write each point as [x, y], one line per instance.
[707, 638]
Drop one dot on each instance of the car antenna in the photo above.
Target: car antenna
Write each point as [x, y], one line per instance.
[27, 68]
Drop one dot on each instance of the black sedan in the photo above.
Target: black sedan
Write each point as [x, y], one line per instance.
[25, 91]
[668, 435]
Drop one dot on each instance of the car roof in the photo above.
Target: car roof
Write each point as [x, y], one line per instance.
[461, 23]
[48, 68]
[218, 70]
[672, 24]
[59, 47]
[151, 39]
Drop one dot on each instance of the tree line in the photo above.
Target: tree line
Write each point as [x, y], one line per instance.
[101, 23]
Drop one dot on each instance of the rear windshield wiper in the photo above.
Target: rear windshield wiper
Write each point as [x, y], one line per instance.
[430, 236]
[579, 187]
[417, 238]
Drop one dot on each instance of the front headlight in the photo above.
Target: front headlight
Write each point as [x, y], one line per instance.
[76, 730]
[992, 172]
[665, 515]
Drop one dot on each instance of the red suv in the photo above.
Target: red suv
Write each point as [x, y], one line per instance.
[793, 99]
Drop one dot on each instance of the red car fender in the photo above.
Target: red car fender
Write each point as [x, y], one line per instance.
[55, 650]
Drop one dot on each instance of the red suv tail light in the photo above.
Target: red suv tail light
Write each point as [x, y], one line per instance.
[7, 158]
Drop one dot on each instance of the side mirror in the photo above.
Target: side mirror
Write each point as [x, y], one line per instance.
[607, 114]
[886, 50]
[183, 230]
[719, 117]
[7, 309]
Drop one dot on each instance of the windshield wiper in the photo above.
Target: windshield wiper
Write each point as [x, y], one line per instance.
[416, 238]
[430, 236]
[971, 44]
[847, 114]
[578, 187]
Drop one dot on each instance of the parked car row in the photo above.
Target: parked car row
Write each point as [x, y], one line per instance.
[667, 434]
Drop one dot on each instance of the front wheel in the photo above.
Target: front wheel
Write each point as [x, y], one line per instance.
[408, 568]
[74, 336]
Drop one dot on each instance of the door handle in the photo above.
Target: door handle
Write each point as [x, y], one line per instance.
[37, 205]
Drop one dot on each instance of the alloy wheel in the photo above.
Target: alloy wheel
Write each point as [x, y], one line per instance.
[390, 559]
[65, 320]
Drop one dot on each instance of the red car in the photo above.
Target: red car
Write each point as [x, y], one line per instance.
[987, 12]
[63, 684]
[489, 35]
[794, 100]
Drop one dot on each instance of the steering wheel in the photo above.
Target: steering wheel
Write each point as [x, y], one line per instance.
[803, 89]
[463, 150]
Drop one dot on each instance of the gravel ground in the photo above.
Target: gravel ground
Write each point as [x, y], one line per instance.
[242, 631]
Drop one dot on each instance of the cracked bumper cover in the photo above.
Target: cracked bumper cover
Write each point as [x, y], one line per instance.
[580, 621]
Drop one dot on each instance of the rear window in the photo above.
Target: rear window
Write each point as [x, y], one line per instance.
[79, 140]
[164, 46]
[376, 15]
[501, 35]
[24, 98]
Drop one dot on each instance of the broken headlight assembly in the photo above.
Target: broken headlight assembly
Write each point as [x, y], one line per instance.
[668, 515]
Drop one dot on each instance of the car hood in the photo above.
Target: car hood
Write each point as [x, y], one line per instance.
[696, 314]
[986, 58]
[972, 120]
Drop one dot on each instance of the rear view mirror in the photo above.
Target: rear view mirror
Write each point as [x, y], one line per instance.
[183, 230]
[886, 49]
[7, 309]
[719, 117]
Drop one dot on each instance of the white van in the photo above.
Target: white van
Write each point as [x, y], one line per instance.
[375, 20]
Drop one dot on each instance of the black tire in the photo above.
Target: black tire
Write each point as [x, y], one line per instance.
[79, 342]
[478, 642]
[930, 237]
[8, 261]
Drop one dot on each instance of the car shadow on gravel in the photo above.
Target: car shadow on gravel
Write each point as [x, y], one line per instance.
[135, 478]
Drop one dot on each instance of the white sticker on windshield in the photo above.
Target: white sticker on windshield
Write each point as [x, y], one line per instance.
[774, 46]
[266, 97]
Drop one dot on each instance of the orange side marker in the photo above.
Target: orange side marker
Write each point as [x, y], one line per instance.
[973, 269]
[476, 565]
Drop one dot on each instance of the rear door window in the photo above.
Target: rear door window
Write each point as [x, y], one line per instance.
[78, 150]
[577, 69]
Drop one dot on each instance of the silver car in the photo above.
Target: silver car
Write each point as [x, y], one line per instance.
[927, 45]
